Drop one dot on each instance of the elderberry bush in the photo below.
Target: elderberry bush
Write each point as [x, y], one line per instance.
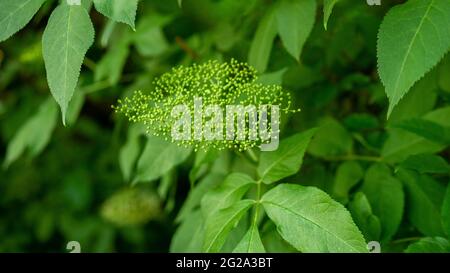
[224, 126]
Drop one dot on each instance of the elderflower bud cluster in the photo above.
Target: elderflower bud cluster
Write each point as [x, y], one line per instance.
[211, 103]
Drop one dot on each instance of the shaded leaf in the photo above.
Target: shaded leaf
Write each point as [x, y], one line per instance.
[123, 11]
[328, 6]
[347, 176]
[188, 237]
[401, 144]
[111, 65]
[197, 192]
[220, 224]
[261, 46]
[429, 245]
[386, 197]
[272, 77]
[445, 212]
[368, 222]
[229, 192]
[159, 157]
[426, 163]
[322, 145]
[295, 20]
[427, 129]
[424, 196]
[251, 243]
[129, 152]
[202, 159]
[149, 38]
[34, 134]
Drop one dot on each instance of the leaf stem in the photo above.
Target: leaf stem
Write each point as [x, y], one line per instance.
[89, 63]
[258, 202]
[364, 143]
[252, 155]
[97, 86]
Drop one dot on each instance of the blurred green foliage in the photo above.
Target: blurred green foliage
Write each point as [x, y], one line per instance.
[73, 183]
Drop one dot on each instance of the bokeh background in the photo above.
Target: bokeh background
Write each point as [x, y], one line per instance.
[68, 183]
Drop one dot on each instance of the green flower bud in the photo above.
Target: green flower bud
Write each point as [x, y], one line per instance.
[212, 84]
[131, 206]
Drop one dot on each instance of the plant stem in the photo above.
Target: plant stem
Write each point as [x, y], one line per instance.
[252, 155]
[364, 143]
[258, 202]
[97, 86]
[89, 63]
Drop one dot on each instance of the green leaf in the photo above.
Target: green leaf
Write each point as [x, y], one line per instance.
[443, 78]
[196, 194]
[347, 176]
[159, 157]
[426, 163]
[111, 65]
[424, 196]
[357, 122]
[34, 134]
[251, 243]
[14, 15]
[220, 224]
[429, 245]
[386, 197]
[123, 11]
[311, 221]
[427, 129]
[203, 158]
[273, 242]
[188, 237]
[129, 153]
[401, 144]
[67, 37]
[445, 212]
[420, 100]
[404, 59]
[368, 222]
[323, 145]
[235, 236]
[149, 38]
[261, 46]
[295, 20]
[166, 187]
[286, 160]
[228, 193]
[75, 106]
[272, 77]
[328, 6]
